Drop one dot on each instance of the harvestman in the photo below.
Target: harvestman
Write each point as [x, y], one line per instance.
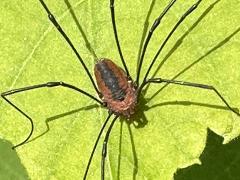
[116, 89]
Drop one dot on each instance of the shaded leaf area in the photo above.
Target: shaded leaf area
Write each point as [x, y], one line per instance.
[218, 161]
[11, 166]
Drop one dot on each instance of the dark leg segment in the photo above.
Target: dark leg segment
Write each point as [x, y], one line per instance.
[116, 36]
[150, 33]
[188, 12]
[59, 28]
[95, 145]
[104, 148]
[24, 114]
[202, 86]
[49, 84]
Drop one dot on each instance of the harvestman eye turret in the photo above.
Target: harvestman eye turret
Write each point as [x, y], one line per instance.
[116, 90]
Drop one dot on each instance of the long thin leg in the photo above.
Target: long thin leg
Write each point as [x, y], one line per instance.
[59, 28]
[188, 12]
[104, 148]
[95, 145]
[49, 84]
[202, 86]
[116, 36]
[24, 114]
[150, 33]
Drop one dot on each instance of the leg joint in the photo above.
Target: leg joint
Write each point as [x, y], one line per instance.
[7, 93]
[53, 84]
[104, 149]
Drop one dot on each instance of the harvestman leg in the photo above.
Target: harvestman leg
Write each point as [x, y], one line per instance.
[187, 13]
[150, 33]
[202, 86]
[48, 84]
[59, 28]
[95, 145]
[104, 148]
[116, 36]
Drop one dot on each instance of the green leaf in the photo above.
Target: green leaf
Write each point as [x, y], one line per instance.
[173, 124]
[218, 161]
[10, 165]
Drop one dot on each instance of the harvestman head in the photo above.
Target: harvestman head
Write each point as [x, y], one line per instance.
[115, 87]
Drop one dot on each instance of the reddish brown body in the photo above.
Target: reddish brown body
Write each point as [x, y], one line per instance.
[118, 91]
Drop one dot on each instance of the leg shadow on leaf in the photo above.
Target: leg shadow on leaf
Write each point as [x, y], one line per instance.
[219, 161]
[145, 30]
[219, 45]
[139, 120]
[181, 39]
[190, 103]
[134, 152]
[135, 159]
[75, 19]
[53, 118]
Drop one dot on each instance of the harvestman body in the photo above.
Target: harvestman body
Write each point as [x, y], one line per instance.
[117, 89]
[118, 93]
